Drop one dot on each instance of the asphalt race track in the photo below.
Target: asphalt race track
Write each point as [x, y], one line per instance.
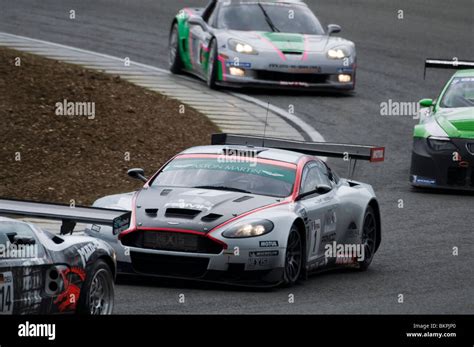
[415, 258]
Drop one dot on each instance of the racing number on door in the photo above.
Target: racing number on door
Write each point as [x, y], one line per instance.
[6, 293]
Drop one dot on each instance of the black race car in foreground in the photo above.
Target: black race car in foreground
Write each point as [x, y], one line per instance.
[45, 273]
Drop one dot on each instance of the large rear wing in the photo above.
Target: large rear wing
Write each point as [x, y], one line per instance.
[453, 64]
[119, 220]
[325, 149]
[349, 153]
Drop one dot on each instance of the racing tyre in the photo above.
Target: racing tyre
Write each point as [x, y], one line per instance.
[97, 292]
[175, 62]
[212, 65]
[369, 238]
[293, 257]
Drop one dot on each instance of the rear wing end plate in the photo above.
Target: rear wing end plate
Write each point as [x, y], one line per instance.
[119, 220]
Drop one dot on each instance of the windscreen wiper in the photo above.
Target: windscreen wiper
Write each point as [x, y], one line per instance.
[232, 189]
[267, 18]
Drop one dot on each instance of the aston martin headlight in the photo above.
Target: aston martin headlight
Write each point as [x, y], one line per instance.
[338, 53]
[241, 47]
[250, 228]
[438, 143]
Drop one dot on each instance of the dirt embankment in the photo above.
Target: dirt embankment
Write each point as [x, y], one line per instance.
[53, 157]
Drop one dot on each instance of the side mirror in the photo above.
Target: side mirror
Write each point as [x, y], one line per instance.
[138, 174]
[333, 29]
[197, 21]
[426, 103]
[323, 189]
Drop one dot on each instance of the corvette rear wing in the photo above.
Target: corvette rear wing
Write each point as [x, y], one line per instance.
[453, 64]
[119, 220]
[350, 153]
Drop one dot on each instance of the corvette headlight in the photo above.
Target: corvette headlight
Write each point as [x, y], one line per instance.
[338, 53]
[441, 143]
[250, 228]
[241, 47]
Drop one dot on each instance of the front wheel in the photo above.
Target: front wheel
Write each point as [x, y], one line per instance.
[97, 292]
[293, 257]
[175, 63]
[212, 65]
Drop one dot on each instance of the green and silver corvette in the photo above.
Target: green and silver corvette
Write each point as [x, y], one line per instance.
[443, 147]
[277, 44]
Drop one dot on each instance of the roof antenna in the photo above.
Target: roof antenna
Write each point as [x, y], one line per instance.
[265, 128]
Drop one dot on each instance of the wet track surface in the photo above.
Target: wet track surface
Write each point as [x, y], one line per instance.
[415, 258]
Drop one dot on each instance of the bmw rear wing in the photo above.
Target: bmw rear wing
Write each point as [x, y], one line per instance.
[453, 64]
[350, 153]
[119, 220]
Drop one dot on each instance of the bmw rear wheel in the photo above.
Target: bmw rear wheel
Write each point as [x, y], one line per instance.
[293, 257]
[369, 238]
[175, 63]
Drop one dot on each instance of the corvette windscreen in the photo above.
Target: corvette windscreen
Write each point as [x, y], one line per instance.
[269, 17]
[460, 93]
[213, 173]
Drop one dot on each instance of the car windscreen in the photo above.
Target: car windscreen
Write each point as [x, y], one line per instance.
[268, 17]
[249, 176]
[460, 93]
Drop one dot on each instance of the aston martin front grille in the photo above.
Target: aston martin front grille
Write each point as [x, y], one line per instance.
[171, 241]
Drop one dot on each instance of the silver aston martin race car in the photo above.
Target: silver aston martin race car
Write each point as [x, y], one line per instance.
[248, 211]
[261, 44]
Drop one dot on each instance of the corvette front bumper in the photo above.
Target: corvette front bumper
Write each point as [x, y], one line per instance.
[268, 70]
[278, 80]
[438, 169]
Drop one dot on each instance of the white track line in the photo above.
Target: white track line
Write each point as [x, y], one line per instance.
[180, 87]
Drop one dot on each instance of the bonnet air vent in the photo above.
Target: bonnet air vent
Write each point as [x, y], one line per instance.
[165, 192]
[243, 198]
[292, 53]
[181, 213]
[57, 240]
[211, 217]
[151, 211]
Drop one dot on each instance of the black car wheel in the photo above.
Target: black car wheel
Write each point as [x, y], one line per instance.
[369, 238]
[175, 63]
[293, 257]
[212, 65]
[97, 292]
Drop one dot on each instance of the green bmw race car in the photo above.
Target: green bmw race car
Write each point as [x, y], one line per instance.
[443, 147]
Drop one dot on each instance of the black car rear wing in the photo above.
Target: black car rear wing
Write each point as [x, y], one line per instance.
[350, 153]
[119, 220]
[453, 64]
